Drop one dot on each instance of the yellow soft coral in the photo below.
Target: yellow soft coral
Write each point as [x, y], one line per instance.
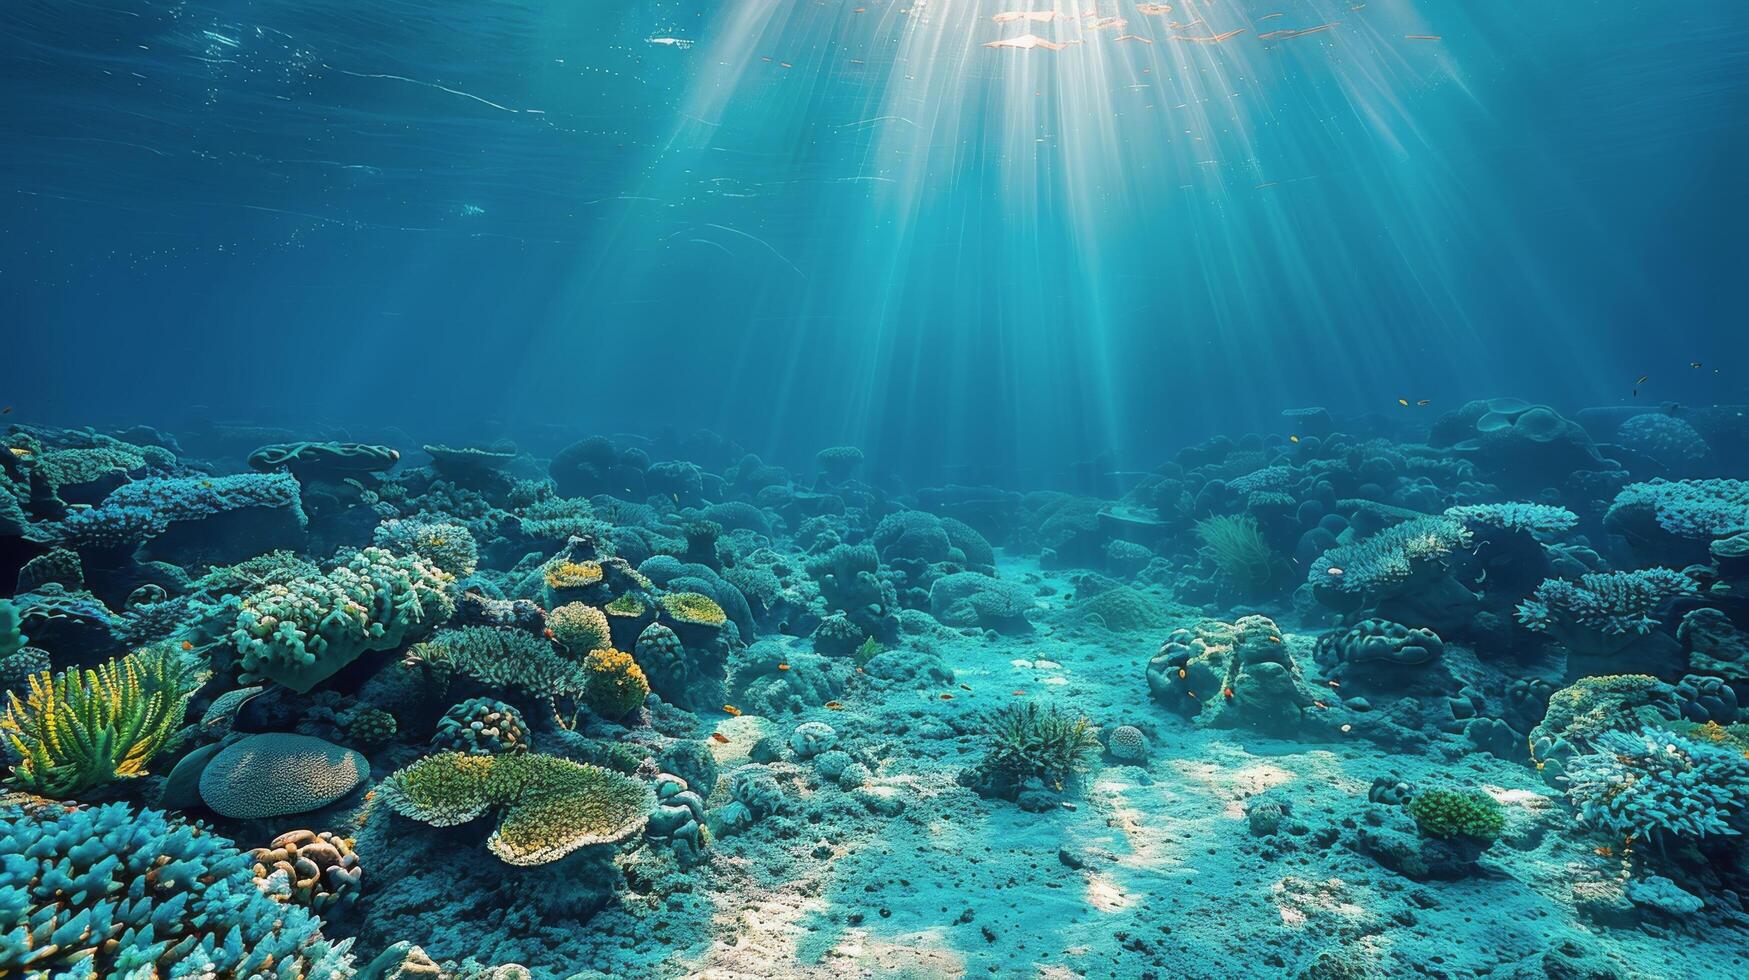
[692, 607]
[77, 731]
[572, 574]
[615, 686]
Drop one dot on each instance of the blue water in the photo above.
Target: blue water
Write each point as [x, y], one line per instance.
[802, 223]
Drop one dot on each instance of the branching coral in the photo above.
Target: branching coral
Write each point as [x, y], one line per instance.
[449, 546]
[112, 892]
[74, 732]
[1388, 560]
[1533, 518]
[1603, 611]
[506, 658]
[144, 509]
[1448, 813]
[1656, 785]
[550, 806]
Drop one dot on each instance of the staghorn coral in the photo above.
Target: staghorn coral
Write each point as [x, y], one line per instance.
[1028, 742]
[109, 891]
[1604, 612]
[77, 731]
[550, 806]
[299, 631]
[506, 658]
[1391, 559]
[1539, 519]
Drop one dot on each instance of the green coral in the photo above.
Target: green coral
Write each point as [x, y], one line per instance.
[615, 686]
[1236, 547]
[300, 630]
[550, 806]
[1027, 741]
[1448, 813]
[508, 659]
[579, 628]
[693, 607]
[74, 731]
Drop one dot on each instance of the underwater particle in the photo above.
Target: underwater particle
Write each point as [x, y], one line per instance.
[1026, 42]
[1153, 9]
[1285, 34]
[1422, 37]
[1423, 402]
[679, 43]
[1208, 38]
[1038, 16]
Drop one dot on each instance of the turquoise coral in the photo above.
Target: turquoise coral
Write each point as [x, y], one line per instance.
[112, 892]
[301, 630]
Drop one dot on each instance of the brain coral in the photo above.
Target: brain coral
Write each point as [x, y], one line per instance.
[550, 806]
[279, 774]
[108, 891]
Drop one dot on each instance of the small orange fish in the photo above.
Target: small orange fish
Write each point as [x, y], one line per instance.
[1606, 851]
[733, 711]
[1320, 704]
[783, 666]
[1182, 673]
[1018, 694]
[1334, 685]
[1227, 692]
[548, 633]
[186, 645]
[1293, 438]
[834, 706]
[719, 738]
[1275, 639]
[947, 697]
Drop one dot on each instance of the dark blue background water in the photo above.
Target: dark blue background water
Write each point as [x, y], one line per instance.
[851, 222]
